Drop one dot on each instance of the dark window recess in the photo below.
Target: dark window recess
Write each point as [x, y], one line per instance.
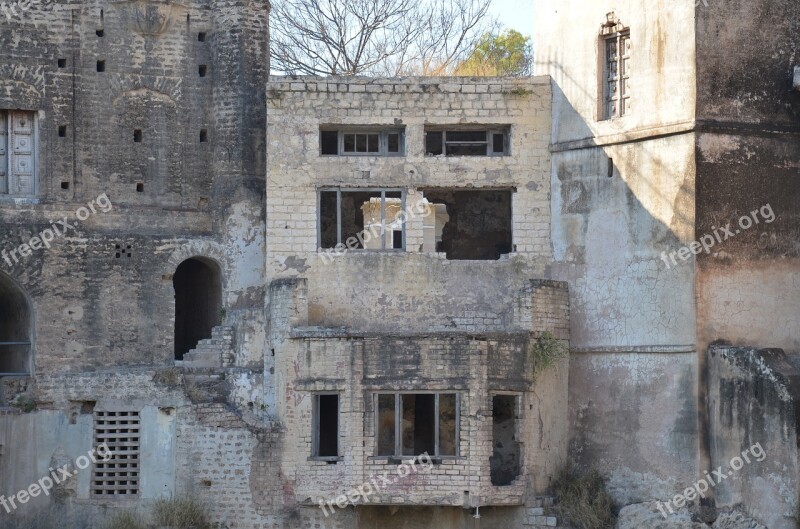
[201, 37]
[101, 66]
[386, 424]
[479, 225]
[367, 142]
[504, 464]
[62, 131]
[65, 185]
[198, 302]
[62, 63]
[419, 417]
[203, 135]
[397, 240]
[393, 143]
[419, 424]
[15, 328]
[329, 142]
[202, 70]
[361, 220]
[466, 142]
[498, 143]
[137, 135]
[327, 426]
[140, 187]
[434, 144]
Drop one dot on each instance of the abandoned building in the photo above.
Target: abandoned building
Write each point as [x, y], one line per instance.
[267, 292]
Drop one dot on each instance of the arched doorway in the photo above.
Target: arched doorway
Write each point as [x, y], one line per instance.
[198, 302]
[15, 329]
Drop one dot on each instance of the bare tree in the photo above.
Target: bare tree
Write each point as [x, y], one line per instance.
[375, 37]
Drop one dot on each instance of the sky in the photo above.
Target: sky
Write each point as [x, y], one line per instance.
[515, 14]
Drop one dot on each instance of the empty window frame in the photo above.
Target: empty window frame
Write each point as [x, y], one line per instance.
[472, 224]
[467, 142]
[362, 142]
[15, 326]
[325, 443]
[362, 219]
[616, 96]
[119, 475]
[18, 153]
[504, 463]
[411, 424]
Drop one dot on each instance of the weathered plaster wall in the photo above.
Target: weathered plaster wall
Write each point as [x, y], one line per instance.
[567, 43]
[753, 403]
[748, 157]
[623, 196]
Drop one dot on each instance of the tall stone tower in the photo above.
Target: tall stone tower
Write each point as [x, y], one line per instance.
[675, 220]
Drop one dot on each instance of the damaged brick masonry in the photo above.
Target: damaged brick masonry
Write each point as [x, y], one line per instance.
[306, 282]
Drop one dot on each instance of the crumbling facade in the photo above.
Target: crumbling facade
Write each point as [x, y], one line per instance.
[345, 302]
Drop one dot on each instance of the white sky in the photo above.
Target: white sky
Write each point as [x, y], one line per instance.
[515, 14]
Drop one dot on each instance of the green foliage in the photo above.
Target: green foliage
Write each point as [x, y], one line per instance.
[582, 500]
[546, 350]
[25, 403]
[181, 513]
[126, 520]
[508, 53]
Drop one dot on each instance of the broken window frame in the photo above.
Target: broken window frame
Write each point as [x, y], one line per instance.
[517, 416]
[339, 242]
[398, 424]
[383, 141]
[8, 153]
[430, 192]
[315, 426]
[615, 103]
[490, 131]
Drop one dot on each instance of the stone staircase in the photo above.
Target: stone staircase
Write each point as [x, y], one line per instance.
[216, 351]
[535, 517]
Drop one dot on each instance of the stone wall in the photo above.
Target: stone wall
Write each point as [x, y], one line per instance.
[176, 156]
[753, 397]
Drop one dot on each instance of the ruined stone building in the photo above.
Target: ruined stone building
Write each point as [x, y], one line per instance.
[265, 293]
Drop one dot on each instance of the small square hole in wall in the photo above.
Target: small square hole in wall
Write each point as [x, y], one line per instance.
[201, 37]
[203, 135]
[137, 135]
[100, 33]
[65, 185]
[203, 70]
[122, 250]
[140, 187]
[101, 66]
[62, 131]
[62, 63]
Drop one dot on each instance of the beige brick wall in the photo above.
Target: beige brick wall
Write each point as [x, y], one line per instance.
[417, 288]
